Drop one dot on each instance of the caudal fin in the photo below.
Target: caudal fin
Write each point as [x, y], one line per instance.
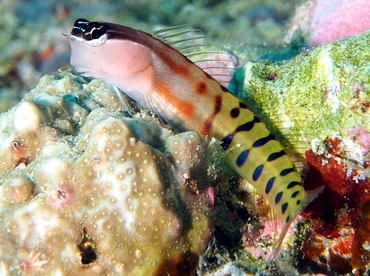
[276, 251]
[310, 196]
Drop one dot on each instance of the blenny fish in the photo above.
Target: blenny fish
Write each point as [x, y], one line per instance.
[169, 84]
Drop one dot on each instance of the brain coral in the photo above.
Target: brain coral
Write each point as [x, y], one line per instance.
[86, 191]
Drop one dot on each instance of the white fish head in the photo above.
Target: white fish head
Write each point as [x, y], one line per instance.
[108, 52]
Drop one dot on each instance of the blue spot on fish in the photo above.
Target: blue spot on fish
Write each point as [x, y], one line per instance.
[269, 185]
[257, 172]
[227, 141]
[278, 197]
[242, 158]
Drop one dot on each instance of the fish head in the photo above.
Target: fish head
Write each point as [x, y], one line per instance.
[109, 52]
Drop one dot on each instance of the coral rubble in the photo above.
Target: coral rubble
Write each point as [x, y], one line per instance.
[86, 190]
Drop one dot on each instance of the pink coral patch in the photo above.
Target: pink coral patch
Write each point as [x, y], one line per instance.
[361, 137]
[332, 20]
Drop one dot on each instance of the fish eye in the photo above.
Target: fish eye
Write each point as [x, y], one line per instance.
[96, 36]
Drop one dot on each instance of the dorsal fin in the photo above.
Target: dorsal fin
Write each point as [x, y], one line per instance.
[192, 43]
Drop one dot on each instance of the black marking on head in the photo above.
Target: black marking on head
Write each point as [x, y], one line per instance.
[88, 30]
[298, 202]
[287, 219]
[80, 27]
[245, 127]
[263, 141]
[227, 141]
[257, 172]
[243, 156]
[292, 184]
[284, 207]
[278, 197]
[275, 155]
[295, 194]
[242, 105]
[234, 113]
[270, 184]
[286, 171]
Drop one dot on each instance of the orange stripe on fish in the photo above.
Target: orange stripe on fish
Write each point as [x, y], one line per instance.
[186, 108]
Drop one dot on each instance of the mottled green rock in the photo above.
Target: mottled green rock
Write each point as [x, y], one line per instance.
[315, 94]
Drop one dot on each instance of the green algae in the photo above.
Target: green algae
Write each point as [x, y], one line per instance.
[315, 94]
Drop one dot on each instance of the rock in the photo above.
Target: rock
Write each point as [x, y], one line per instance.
[86, 190]
[318, 105]
[316, 94]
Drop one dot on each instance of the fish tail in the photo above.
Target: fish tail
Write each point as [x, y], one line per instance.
[310, 196]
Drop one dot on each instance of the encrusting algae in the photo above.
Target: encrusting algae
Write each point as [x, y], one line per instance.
[316, 94]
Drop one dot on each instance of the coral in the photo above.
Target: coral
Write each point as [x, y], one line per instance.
[339, 235]
[87, 190]
[327, 21]
[318, 105]
[362, 138]
[316, 94]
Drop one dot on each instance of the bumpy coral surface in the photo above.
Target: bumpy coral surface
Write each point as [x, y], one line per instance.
[86, 190]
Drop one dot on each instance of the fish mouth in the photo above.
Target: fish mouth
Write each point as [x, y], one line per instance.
[82, 71]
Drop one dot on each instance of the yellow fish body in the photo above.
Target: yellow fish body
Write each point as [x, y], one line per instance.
[170, 85]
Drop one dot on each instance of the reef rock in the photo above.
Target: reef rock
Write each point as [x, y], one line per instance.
[86, 190]
[318, 104]
[314, 95]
